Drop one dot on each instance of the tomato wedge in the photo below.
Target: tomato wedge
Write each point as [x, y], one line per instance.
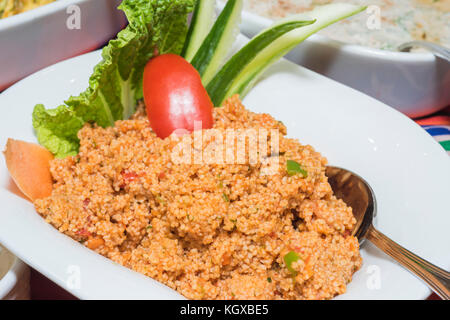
[175, 97]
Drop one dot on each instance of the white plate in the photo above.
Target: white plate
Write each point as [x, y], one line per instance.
[416, 84]
[408, 170]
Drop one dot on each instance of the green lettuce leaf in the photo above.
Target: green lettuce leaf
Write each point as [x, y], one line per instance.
[55, 129]
[116, 83]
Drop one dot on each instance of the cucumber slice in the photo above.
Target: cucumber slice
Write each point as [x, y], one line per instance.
[214, 49]
[225, 79]
[201, 23]
[242, 71]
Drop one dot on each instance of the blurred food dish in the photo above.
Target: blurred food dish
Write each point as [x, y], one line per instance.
[13, 7]
[400, 21]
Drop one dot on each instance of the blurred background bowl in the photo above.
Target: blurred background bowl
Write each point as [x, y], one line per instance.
[14, 277]
[41, 37]
[417, 84]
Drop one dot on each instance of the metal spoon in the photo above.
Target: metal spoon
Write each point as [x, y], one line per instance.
[357, 194]
[434, 48]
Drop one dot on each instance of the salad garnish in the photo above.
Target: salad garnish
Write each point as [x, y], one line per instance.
[219, 41]
[158, 27]
[116, 83]
[174, 96]
[201, 23]
[242, 71]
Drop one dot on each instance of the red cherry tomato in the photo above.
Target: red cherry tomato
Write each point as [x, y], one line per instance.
[174, 96]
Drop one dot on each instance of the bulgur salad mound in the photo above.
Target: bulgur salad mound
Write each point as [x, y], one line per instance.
[209, 231]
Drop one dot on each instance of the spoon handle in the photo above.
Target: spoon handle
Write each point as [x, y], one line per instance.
[434, 48]
[437, 279]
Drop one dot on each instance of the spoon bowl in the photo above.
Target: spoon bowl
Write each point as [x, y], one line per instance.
[357, 193]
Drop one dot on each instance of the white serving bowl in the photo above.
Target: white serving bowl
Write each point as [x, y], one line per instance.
[40, 37]
[416, 84]
[14, 277]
